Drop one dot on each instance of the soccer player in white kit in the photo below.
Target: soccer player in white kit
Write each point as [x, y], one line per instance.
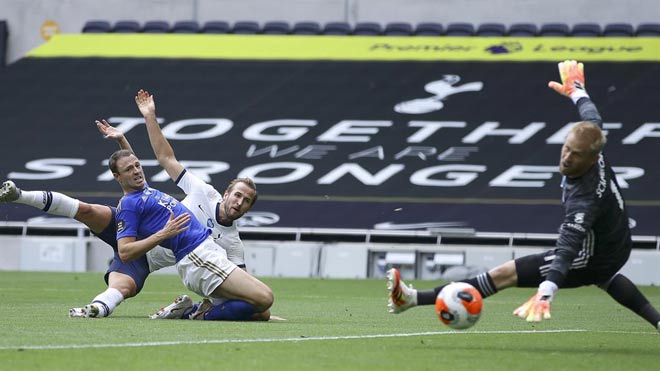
[216, 211]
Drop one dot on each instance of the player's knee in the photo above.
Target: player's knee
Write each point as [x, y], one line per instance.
[125, 285]
[126, 291]
[264, 299]
[262, 316]
[96, 217]
[606, 285]
[504, 275]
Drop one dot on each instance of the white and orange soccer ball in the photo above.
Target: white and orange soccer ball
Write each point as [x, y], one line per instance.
[459, 305]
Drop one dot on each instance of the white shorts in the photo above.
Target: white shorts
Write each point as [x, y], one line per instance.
[205, 268]
[160, 257]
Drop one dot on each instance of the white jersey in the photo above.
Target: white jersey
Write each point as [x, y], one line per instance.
[203, 200]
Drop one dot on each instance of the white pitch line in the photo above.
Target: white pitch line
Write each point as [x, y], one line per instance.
[275, 340]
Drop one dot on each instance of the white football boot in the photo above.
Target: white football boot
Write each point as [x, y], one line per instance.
[9, 192]
[401, 296]
[181, 304]
[88, 311]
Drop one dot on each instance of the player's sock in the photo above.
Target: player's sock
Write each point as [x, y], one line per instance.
[232, 310]
[627, 294]
[107, 301]
[482, 282]
[51, 202]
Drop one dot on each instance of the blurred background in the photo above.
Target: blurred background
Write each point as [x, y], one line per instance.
[417, 134]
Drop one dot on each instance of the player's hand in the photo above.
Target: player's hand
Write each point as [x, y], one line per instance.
[535, 309]
[108, 131]
[174, 226]
[145, 103]
[572, 79]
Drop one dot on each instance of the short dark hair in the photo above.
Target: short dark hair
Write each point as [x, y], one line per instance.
[247, 181]
[112, 163]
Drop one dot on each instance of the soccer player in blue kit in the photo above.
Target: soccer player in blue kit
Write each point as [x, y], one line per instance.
[147, 218]
[126, 279]
[594, 240]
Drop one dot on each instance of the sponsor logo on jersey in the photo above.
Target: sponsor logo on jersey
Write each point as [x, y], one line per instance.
[576, 227]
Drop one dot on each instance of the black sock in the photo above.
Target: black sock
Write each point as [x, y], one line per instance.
[627, 294]
[483, 283]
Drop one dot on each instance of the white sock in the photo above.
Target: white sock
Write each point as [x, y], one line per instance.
[107, 301]
[51, 202]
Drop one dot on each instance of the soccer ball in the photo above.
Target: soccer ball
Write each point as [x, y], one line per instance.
[459, 305]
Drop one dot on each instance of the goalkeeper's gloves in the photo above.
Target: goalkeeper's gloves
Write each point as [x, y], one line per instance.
[538, 306]
[572, 80]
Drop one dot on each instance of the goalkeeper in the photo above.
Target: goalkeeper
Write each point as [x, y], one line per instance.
[594, 238]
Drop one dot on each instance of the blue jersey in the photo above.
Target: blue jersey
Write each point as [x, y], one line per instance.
[141, 214]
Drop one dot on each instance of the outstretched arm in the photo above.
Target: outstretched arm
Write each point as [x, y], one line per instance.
[537, 307]
[162, 148]
[130, 248]
[573, 86]
[110, 132]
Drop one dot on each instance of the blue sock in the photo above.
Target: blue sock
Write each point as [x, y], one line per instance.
[233, 310]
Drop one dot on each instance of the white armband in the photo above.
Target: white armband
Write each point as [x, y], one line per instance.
[578, 93]
[548, 288]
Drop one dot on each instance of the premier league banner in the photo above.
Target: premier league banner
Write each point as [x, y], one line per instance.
[345, 142]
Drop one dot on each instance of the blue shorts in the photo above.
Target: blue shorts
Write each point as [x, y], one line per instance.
[137, 269]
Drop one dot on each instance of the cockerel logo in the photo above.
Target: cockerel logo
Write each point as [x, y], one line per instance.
[441, 89]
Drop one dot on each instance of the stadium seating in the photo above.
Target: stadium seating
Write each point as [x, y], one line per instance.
[618, 30]
[586, 30]
[185, 27]
[97, 26]
[460, 29]
[368, 29]
[306, 28]
[374, 29]
[491, 29]
[126, 27]
[337, 28]
[554, 29]
[218, 27]
[156, 27]
[398, 29]
[276, 28]
[246, 27]
[648, 29]
[523, 30]
[429, 29]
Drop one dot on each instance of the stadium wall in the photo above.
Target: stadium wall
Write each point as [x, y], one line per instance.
[305, 253]
[31, 23]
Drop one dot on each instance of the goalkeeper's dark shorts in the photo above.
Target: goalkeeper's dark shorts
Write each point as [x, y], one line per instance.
[533, 269]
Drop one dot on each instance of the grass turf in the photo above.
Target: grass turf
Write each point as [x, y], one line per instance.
[332, 324]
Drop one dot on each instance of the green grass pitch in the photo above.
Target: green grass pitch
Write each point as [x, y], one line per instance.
[332, 324]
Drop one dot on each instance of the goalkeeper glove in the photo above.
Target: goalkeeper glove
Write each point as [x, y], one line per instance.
[572, 80]
[538, 306]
